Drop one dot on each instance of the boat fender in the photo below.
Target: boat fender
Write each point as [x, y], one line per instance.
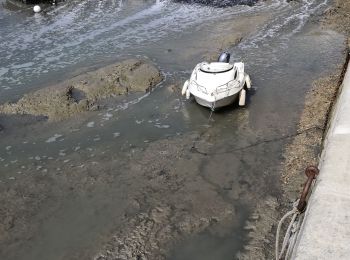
[242, 97]
[188, 94]
[248, 81]
[184, 88]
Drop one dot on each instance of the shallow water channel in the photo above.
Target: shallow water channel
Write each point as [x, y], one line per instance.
[71, 186]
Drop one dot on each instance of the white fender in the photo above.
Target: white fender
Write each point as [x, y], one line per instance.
[184, 88]
[242, 97]
[248, 81]
[188, 94]
[240, 71]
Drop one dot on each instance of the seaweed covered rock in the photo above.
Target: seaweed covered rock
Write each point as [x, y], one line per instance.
[54, 103]
[80, 93]
[118, 79]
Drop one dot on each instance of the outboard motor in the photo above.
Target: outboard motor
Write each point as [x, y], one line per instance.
[224, 57]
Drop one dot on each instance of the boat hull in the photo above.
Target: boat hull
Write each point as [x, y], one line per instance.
[218, 103]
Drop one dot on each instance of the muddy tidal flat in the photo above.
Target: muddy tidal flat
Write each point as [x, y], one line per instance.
[102, 158]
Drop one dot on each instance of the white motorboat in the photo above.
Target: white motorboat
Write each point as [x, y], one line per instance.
[218, 84]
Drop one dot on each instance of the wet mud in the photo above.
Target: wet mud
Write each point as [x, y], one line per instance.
[229, 34]
[306, 144]
[303, 150]
[156, 180]
[159, 222]
[148, 199]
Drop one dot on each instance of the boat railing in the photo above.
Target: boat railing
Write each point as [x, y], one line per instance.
[220, 89]
[199, 87]
[227, 87]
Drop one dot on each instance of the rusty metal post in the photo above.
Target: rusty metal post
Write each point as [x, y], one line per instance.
[311, 173]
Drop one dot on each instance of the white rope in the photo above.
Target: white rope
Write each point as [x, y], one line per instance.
[212, 110]
[290, 237]
[293, 237]
[214, 104]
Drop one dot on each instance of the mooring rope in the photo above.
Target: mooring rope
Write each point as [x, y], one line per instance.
[295, 231]
[212, 110]
[290, 236]
[299, 207]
